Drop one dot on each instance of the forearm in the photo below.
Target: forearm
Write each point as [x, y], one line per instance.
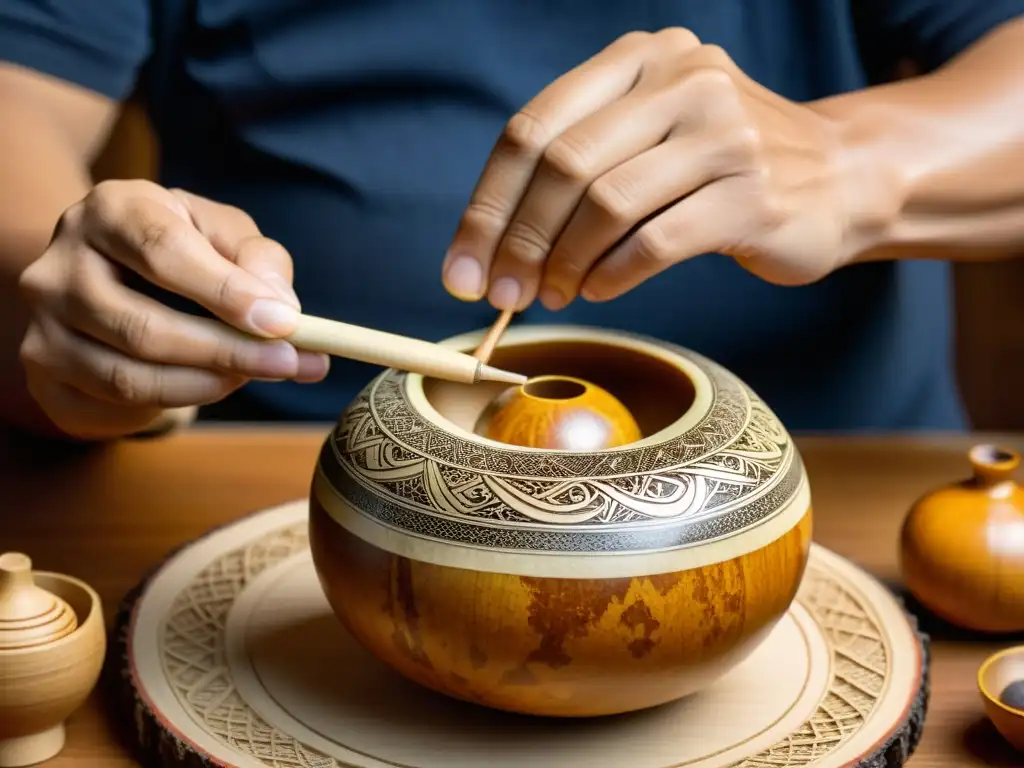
[936, 163]
[42, 172]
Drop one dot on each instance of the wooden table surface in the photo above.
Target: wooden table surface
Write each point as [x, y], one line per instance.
[107, 516]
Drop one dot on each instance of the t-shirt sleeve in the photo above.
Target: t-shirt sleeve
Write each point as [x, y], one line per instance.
[934, 31]
[97, 44]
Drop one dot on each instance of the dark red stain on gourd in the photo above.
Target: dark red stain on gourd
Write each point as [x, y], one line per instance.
[477, 658]
[563, 609]
[663, 582]
[405, 614]
[711, 583]
[638, 615]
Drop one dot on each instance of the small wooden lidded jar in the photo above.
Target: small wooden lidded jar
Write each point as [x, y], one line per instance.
[562, 582]
[52, 644]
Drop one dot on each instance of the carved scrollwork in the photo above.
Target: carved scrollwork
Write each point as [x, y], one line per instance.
[733, 468]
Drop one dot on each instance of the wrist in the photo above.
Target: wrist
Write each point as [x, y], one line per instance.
[871, 180]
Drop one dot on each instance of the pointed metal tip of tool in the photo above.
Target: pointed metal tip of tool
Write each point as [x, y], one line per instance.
[490, 373]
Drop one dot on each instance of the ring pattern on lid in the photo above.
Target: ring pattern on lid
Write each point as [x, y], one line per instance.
[29, 615]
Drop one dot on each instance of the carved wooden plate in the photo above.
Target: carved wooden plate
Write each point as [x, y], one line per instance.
[232, 657]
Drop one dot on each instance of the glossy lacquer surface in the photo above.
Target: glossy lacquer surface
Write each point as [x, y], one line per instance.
[559, 412]
[211, 475]
[962, 545]
[613, 535]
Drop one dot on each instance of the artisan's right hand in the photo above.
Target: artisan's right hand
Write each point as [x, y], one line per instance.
[105, 361]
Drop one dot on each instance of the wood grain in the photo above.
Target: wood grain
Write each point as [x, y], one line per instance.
[107, 516]
[989, 342]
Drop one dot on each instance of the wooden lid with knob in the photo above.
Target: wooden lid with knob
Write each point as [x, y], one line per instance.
[29, 615]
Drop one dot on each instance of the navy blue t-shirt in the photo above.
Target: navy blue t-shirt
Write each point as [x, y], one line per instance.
[353, 132]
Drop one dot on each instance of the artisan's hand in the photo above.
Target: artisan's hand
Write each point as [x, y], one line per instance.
[105, 361]
[656, 150]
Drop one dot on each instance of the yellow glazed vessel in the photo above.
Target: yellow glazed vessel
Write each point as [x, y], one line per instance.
[562, 583]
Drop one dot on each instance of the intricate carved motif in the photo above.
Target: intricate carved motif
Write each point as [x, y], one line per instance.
[195, 665]
[195, 661]
[731, 470]
[862, 666]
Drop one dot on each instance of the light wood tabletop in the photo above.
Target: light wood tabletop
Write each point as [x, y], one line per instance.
[107, 516]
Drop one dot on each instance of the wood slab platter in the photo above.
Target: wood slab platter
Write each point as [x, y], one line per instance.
[230, 656]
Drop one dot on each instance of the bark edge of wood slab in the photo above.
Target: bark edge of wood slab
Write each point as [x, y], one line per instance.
[892, 726]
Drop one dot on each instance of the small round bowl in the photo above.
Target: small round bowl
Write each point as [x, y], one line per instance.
[996, 673]
[43, 685]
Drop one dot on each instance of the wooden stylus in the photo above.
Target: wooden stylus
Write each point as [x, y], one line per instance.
[317, 334]
[485, 350]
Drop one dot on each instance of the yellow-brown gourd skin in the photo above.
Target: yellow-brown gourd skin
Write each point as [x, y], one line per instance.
[537, 638]
[559, 412]
[556, 647]
[962, 546]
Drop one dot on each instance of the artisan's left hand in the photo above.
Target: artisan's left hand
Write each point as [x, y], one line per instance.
[656, 150]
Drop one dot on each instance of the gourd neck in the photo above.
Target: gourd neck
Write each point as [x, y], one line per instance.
[993, 465]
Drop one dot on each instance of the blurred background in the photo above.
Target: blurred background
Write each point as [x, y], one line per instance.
[989, 298]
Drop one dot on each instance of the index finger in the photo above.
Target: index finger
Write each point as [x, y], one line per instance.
[155, 241]
[514, 159]
[237, 237]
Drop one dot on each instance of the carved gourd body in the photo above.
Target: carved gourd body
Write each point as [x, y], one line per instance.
[553, 581]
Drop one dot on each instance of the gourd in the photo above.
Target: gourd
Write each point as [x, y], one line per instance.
[559, 412]
[467, 536]
[962, 546]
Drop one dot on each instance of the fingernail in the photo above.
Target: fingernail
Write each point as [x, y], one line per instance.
[552, 299]
[464, 277]
[277, 360]
[273, 317]
[504, 293]
[313, 367]
[283, 288]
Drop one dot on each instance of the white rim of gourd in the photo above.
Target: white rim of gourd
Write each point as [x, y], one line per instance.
[531, 335]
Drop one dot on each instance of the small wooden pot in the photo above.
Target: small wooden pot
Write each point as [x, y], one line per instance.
[1001, 684]
[41, 685]
[562, 583]
[962, 546]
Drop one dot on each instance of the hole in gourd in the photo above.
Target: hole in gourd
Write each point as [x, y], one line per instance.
[652, 388]
[554, 389]
[992, 455]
